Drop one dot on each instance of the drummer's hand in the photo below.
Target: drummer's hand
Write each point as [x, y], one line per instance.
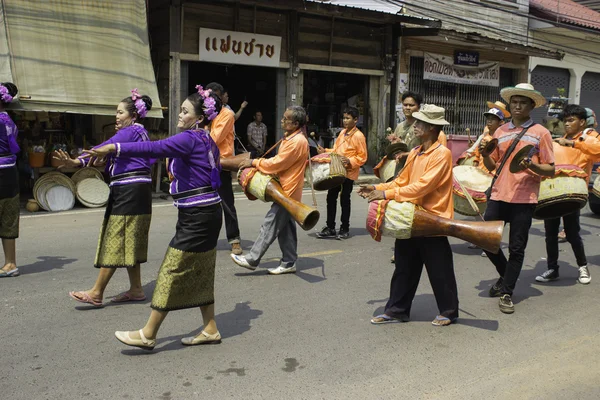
[525, 164]
[346, 162]
[100, 152]
[246, 163]
[66, 160]
[401, 156]
[320, 149]
[482, 144]
[376, 195]
[365, 190]
[565, 142]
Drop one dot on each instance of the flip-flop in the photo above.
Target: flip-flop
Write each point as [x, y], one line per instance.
[386, 319]
[8, 274]
[443, 321]
[125, 297]
[85, 298]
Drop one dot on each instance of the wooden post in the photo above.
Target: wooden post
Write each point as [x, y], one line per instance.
[175, 33]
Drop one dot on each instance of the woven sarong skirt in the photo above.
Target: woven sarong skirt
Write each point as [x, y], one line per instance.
[123, 239]
[9, 203]
[187, 275]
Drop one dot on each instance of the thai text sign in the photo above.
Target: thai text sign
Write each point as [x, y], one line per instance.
[239, 48]
[470, 58]
[442, 68]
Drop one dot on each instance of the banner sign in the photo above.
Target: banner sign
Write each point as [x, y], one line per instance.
[470, 58]
[239, 48]
[442, 68]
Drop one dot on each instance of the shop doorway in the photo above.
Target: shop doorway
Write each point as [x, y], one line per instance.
[256, 85]
[326, 95]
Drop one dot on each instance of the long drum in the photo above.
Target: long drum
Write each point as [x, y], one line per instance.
[564, 194]
[476, 182]
[404, 220]
[328, 171]
[257, 185]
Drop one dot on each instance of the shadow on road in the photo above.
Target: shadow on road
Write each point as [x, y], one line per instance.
[353, 232]
[46, 263]
[302, 265]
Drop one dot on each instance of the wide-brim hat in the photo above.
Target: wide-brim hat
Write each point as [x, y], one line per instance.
[431, 114]
[525, 90]
[499, 105]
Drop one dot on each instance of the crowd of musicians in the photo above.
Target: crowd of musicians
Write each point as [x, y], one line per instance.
[202, 192]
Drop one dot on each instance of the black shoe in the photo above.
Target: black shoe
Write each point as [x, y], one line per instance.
[548, 276]
[495, 289]
[506, 305]
[327, 233]
[343, 234]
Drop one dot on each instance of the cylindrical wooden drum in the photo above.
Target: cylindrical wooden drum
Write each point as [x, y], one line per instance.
[596, 187]
[403, 220]
[327, 170]
[387, 169]
[254, 183]
[564, 194]
[476, 182]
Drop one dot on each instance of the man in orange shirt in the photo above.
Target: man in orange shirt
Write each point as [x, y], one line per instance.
[222, 132]
[352, 146]
[288, 165]
[514, 196]
[575, 148]
[426, 181]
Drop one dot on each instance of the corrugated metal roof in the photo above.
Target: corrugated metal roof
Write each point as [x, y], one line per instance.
[382, 6]
[566, 11]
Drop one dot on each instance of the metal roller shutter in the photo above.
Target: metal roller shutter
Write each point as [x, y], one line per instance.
[547, 80]
[590, 91]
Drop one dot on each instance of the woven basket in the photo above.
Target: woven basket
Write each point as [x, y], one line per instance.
[92, 192]
[85, 173]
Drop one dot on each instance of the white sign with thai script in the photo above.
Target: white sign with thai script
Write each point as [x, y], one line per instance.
[442, 68]
[239, 48]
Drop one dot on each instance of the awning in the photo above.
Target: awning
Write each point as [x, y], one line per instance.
[76, 56]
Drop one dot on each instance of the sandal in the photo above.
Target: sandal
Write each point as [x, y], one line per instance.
[443, 321]
[8, 274]
[125, 297]
[384, 319]
[85, 298]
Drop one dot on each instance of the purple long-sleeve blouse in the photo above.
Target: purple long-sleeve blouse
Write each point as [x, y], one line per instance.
[193, 163]
[117, 165]
[8, 141]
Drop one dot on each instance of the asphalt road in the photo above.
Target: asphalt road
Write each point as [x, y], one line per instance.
[302, 336]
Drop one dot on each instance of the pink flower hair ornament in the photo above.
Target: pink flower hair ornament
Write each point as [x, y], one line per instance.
[209, 107]
[4, 95]
[140, 105]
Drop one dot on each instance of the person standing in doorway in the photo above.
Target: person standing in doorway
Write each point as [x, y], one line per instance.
[257, 135]
[223, 134]
[352, 146]
[514, 196]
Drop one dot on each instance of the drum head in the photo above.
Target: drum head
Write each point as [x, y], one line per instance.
[472, 178]
[520, 156]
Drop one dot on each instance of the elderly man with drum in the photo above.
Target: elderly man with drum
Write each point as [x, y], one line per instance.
[288, 165]
[514, 195]
[425, 181]
[575, 149]
[352, 146]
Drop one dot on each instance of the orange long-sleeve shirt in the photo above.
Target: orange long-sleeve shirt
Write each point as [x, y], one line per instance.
[585, 153]
[221, 131]
[426, 181]
[352, 145]
[443, 139]
[288, 164]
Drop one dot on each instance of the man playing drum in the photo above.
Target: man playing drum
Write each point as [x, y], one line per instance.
[288, 165]
[352, 146]
[575, 148]
[426, 181]
[514, 196]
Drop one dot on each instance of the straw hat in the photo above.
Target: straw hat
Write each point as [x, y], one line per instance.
[431, 114]
[525, 90]
[499, 105]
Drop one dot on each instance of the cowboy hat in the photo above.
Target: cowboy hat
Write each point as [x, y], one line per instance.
[431, 114]
[525, 90]
[499, 105]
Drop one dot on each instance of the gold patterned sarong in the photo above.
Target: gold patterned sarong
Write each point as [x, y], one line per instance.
[123, 241]
[185, 280]
[9, 217]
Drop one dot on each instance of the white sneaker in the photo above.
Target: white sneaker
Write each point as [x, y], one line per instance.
[282, 270]
[584, 275]
[242, 262]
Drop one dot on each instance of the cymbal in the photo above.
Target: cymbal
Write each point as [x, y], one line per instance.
[392, 149]
[525, 152]
[489, 147]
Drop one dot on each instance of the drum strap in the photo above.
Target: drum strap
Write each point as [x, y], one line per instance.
[310, 180]
[488, 193]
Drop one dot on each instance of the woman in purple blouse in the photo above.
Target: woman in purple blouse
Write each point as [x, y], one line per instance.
[186, 276]
[9, 183]
[123, 241]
